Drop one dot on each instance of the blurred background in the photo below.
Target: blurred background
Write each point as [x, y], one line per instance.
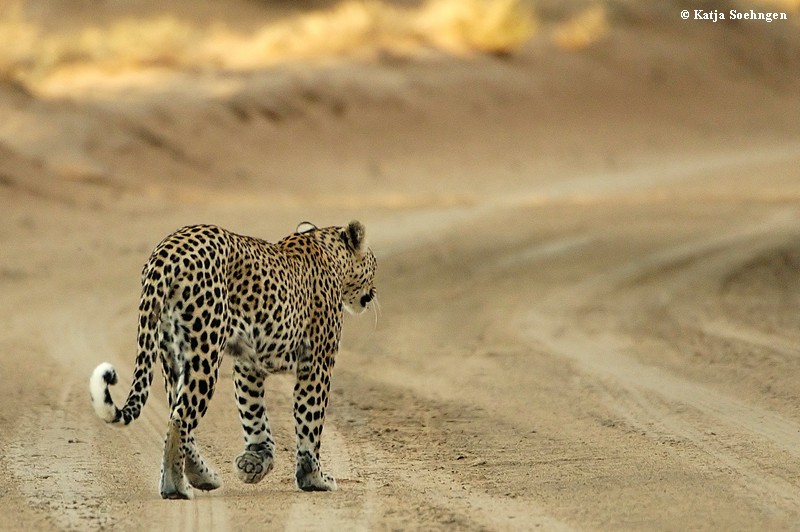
[403, 97]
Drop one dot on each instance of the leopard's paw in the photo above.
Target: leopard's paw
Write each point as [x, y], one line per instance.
[310, 477]
[254, 464]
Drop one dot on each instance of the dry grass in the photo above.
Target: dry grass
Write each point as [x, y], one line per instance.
[586, 28]
[28, 54]
[780, 5]
[17, 39]
[496, 27]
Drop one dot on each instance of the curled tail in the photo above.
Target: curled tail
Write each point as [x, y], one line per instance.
[105, 375]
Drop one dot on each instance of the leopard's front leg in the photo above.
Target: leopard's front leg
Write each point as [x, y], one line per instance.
[310, 402]
[259, 447]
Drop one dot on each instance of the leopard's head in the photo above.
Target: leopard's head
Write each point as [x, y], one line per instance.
[359, 288]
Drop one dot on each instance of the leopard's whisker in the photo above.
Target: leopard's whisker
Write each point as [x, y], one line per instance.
[376, 307]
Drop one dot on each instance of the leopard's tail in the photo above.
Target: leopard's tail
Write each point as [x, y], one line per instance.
[105, 375]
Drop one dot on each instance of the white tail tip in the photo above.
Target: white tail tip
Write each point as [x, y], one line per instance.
[103, 376]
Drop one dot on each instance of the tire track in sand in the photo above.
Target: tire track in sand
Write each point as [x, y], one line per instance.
[645, 395]
[51, 450]
[310, 512]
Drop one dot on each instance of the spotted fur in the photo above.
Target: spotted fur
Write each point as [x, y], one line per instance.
[206, 293]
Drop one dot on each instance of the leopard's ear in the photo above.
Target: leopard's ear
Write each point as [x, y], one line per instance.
[305, 227]
[355, 236]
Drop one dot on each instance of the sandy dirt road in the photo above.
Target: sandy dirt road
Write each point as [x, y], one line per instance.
[589, 285]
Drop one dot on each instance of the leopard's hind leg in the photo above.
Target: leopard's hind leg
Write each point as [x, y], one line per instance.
[173, 484]
[190, 381]
[183, 465]
[198, 473]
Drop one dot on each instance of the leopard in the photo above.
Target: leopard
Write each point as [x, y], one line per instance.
[209, 293]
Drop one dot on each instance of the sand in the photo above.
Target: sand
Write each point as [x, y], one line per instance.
[589, 279]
